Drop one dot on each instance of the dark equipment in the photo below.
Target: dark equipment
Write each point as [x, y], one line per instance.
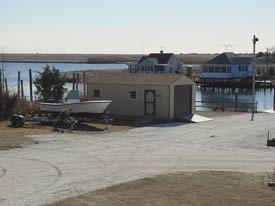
[17, 120]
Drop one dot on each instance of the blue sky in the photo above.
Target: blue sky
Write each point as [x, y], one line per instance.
[121, 26]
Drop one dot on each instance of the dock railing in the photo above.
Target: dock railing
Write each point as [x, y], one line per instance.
[226, 106]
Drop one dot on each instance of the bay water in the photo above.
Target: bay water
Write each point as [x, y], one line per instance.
[264, 97]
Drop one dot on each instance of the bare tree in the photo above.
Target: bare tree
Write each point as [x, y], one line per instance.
[3, 70]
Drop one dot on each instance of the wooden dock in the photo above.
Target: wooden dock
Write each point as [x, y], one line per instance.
[236, 83]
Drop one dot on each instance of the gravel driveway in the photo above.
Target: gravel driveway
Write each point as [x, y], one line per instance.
[65, 165]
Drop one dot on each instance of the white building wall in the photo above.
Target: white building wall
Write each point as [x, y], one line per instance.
[146, 66]
[235, 72]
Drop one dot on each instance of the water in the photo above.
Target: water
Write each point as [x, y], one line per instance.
[263, 97]
[12, 68]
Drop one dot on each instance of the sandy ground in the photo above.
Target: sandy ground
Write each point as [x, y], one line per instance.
[11, 138]
[67, 165]
[213, 188]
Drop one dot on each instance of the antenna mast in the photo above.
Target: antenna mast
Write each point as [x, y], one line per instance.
[227, 46]
[142, 47]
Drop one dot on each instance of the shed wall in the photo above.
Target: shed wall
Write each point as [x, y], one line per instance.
[122, 105]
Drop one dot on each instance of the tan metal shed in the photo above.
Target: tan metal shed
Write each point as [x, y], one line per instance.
[160, 96]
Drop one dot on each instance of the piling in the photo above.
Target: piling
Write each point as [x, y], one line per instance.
[0, 82]
[236, 102]
[77, 80]
[6, 85]
[84, 84]
[22, 90]
[73, 81]
[18, 85]
[30, 79]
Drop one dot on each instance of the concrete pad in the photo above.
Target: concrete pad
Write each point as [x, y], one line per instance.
[269, 111]
[194, 118]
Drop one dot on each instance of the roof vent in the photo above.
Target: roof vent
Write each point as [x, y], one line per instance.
[161, 51]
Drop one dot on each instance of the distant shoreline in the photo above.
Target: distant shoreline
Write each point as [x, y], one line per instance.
[62, 62]
[69, 58]
[92, 58]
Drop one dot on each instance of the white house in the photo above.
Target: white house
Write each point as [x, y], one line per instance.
[228, 66]
[159, 63]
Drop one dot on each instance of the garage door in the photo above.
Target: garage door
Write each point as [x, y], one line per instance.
[182, 99]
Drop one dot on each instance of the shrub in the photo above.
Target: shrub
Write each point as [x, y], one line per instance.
[24, 107]
[7, 105]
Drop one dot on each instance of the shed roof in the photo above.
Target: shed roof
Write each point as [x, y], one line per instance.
[230, 58]
[126, 78]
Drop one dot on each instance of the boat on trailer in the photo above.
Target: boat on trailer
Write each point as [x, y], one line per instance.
[75, 107]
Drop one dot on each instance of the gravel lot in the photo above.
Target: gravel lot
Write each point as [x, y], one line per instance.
[65, 165]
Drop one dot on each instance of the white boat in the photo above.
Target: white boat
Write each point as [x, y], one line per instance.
[74, 106]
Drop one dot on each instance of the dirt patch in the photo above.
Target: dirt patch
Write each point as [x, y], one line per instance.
[213, 188]
[14, 137]
[11, 138]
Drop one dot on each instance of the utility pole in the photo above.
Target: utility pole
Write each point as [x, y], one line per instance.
[254, 40]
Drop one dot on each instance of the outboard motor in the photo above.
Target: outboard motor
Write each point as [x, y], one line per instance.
[73, 96]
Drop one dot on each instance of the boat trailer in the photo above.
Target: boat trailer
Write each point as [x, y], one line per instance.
[64, 117]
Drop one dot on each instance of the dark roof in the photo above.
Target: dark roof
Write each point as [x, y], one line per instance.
[230, 58]
[125, 78]
[242, 60]
[142, 58]
[162, 58]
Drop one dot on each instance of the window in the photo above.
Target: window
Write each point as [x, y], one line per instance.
[228, 69]
[96, 93]
[217, 69]
[205, 69]
[211, 69]
[243, 68]
[133, 95]
[223, 70]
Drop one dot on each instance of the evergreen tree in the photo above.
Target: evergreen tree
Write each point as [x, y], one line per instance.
[50, 84]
